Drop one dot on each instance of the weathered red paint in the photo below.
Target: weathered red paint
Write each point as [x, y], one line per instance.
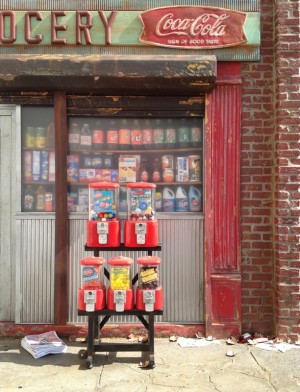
[110, 330]
[222, 203]
[193, 27]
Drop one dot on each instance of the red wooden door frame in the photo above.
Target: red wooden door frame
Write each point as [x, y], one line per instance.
[222, 203]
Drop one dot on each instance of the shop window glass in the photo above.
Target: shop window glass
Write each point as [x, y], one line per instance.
[38, 159]
[164, 151]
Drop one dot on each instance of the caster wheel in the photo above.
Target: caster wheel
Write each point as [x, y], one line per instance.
[89, 363]
[151, 365]
[82, 354]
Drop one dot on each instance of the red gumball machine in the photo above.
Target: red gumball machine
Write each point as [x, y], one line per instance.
[149, 294]
[141, 226]
[120, 293]
[91, 295]
[103, 227]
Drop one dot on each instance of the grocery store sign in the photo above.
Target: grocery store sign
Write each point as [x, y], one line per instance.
[181, 27]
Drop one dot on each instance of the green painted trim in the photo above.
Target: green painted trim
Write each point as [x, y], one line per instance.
[125, 30]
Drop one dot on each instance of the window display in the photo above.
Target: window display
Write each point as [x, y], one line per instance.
[38, 159]
[164, 151]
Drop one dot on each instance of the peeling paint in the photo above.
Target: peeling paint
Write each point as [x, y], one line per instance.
[8, 77]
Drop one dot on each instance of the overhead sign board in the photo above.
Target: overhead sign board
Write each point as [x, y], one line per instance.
[193, 27]
[180, 27]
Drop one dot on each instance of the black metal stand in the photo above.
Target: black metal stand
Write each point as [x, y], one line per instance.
[93, 320]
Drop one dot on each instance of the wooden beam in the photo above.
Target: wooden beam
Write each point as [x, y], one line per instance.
[61, 211]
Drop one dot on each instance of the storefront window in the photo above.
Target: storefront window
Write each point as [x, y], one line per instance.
[164, 151]
[38, 159]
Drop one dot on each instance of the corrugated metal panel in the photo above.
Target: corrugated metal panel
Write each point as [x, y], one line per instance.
[239, 5]
[182, 269]
[35, 271]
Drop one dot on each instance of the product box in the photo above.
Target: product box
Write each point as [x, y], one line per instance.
[27, 166]
[73, 168]
[87, 175]
[44, 165]
[51, 174]
[83, 200]
[36, 165]
[129, 168]
[182, 169]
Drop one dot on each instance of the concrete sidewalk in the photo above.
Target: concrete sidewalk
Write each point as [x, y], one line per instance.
[205, 369]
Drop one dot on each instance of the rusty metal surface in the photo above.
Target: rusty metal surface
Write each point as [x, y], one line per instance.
[109, 74]
[240, 5]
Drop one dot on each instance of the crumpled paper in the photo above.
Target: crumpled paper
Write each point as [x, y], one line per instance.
[281, 347]
[189, 342]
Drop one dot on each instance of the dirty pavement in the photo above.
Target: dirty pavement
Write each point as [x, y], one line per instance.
[213, 366]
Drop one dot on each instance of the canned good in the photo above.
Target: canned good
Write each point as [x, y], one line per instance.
[158, 135]
[124, 138]
[170, 135]
[97, 138]
[167, 161]
[30, 137]
[40, 137]
[183, 134]
[196, 136]
[194, 167]
[112, 138]
[147, 138]
[136, 138]
[168, 175]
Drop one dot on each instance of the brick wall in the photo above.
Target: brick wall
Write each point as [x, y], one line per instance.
[270, 176]
[287, 168]
[257, 183]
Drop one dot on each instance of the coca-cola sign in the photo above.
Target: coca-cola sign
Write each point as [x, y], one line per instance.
[193, 27]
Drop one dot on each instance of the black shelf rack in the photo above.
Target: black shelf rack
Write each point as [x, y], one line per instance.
[94, 326]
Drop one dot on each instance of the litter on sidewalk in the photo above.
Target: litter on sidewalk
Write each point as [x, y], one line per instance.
[189, 342]
[281, 347]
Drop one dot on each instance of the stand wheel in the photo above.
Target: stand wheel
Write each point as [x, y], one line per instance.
[89, 362]
[82, 354]
[151, 362]
[151, 365]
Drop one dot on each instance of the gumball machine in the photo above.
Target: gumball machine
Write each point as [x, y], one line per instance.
[120, 292]
[103, 226]
[149, 294]
[141, 226]
[91, 295]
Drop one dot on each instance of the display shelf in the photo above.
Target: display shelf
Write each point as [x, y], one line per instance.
[95, 327]
[160, 183]
[166, 151]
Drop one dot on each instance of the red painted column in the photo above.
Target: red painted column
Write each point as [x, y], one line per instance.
[222, 203]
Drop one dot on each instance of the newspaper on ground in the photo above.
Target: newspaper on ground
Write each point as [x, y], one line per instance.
[43, 344]
[281, 347]
[189, 342]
